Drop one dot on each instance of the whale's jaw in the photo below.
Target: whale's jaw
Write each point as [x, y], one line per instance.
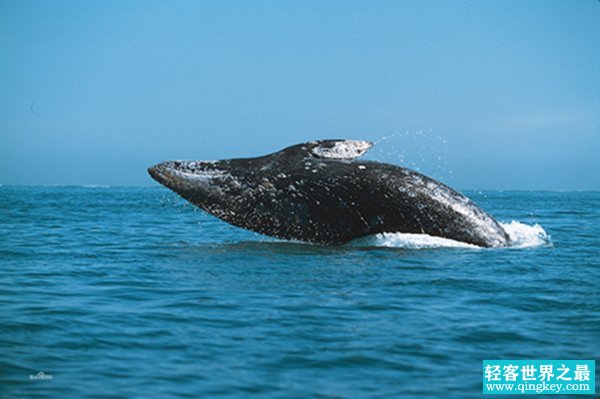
[187, 178]
[159, 173]
[167, 174]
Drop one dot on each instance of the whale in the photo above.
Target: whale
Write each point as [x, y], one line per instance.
[320, 192]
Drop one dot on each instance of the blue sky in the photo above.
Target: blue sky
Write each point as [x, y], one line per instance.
[479, 94]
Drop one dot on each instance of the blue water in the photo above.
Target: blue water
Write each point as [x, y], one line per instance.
[130, 292]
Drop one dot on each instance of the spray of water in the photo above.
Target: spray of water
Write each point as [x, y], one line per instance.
[419, 150]
[521, 236]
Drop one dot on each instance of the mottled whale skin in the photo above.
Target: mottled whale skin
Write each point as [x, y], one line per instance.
[319, 192]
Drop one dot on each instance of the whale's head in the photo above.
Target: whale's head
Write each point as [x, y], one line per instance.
[261, 191]
[199, 181]
[202, 182]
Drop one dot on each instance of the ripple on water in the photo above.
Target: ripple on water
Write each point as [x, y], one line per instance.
[118, 292]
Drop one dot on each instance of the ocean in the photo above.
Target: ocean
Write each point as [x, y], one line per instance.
[110, 292]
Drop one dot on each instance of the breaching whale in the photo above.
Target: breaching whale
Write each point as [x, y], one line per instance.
[319, 192]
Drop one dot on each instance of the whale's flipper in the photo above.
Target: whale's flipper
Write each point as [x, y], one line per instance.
[330, 149]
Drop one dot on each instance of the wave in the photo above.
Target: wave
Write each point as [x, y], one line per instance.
[409, 241]
[521, 236]
[526, 236]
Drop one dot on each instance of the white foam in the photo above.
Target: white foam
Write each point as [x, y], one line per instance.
[526, 236]
[521, 236]
[409, 241]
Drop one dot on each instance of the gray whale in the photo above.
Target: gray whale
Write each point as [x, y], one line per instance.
[319, 192]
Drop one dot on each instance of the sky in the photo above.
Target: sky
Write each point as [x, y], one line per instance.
[478, 94]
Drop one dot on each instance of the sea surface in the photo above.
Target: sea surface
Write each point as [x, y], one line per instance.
[133, 293]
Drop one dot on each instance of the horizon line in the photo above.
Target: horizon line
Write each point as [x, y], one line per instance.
[106, 186]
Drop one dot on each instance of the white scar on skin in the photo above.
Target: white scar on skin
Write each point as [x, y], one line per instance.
[347, 149]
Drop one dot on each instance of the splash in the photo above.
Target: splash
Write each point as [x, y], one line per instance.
[420, 150]
[521, 236]
[408, 241]
[526, 236]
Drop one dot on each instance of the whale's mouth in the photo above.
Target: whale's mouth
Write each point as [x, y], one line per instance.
[157, 173]
[165, 173]
[181, 176]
